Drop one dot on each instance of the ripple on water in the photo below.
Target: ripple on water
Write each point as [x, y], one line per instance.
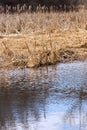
[53, 97]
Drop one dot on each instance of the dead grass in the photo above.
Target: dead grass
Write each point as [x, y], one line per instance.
[32, 40]
[42, 22]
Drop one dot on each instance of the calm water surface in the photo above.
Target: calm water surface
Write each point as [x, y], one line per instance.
[53, 98]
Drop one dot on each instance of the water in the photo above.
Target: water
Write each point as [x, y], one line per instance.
[53, 98]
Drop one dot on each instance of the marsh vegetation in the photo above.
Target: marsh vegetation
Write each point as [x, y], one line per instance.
[35, 39]
[33, 97]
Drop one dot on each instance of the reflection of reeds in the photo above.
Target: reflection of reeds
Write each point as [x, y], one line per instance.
[76, 109]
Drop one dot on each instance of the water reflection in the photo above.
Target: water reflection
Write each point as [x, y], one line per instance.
[52, 97]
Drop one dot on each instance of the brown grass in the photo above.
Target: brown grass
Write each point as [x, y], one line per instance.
[30, 40]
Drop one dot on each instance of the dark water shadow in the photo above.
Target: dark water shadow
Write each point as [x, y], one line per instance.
[35, 99]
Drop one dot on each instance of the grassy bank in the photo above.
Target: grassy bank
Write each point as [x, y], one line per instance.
[32, 40]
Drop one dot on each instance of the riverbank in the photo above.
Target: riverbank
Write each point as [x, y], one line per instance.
[25, 51]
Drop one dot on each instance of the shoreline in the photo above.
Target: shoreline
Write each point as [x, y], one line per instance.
[23, 51]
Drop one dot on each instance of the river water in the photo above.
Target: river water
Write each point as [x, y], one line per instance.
[53, 98]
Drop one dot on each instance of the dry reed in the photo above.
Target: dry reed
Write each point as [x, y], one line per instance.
[43, 38]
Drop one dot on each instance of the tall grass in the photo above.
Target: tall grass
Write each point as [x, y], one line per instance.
[29, 23]
[41, 35]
